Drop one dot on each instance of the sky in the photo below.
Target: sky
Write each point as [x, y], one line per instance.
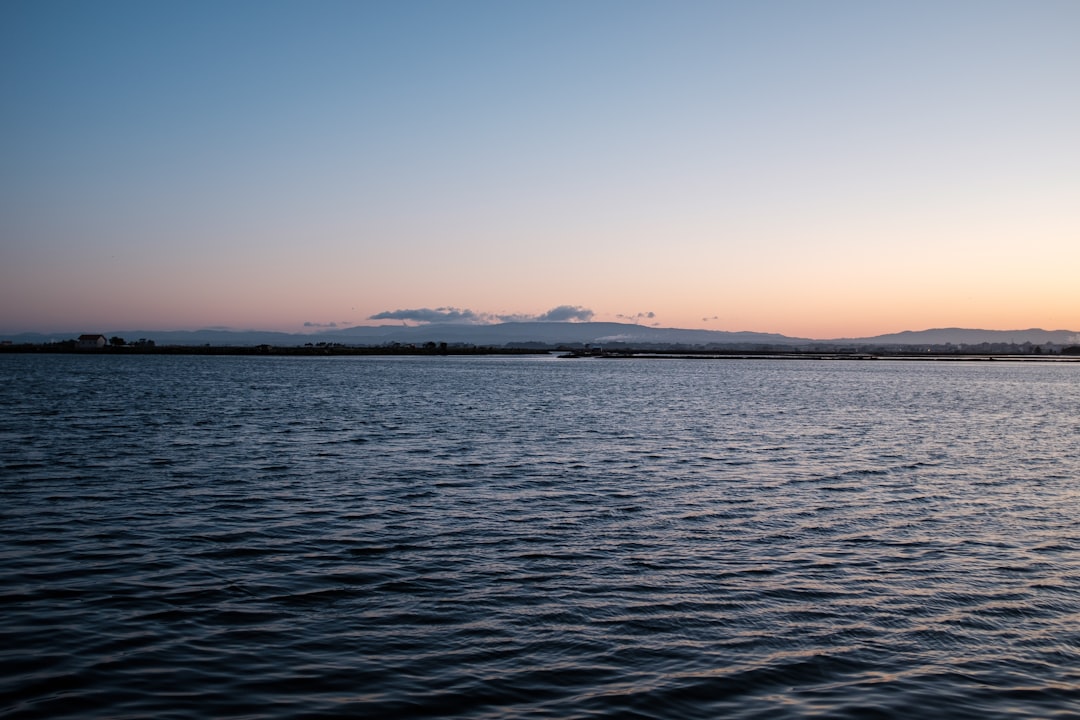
[817, 168]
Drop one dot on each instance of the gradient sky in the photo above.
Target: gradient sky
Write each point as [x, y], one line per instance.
[819, 169]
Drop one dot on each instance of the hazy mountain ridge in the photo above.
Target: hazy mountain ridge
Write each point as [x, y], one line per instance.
[561, 333]
[556, 333]
[967, 336]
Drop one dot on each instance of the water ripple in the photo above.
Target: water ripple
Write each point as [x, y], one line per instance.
[491, 538]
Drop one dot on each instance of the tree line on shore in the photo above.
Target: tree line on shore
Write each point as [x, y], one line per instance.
[118, 345]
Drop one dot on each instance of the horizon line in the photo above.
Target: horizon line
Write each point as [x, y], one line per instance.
[332, 329]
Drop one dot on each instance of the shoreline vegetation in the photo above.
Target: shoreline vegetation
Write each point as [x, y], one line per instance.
[1024, 352]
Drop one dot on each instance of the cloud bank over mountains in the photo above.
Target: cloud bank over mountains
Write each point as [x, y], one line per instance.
[429, 316]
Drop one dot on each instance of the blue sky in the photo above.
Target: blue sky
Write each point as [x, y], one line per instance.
[813, 168]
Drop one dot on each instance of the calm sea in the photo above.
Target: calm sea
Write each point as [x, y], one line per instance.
[190, 537]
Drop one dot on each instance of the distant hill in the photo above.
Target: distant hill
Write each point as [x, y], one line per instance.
[496, 335]
[560, 333]
[551, 333]
[962, 336]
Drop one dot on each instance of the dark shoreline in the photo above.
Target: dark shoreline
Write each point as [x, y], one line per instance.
[819, 355]
[267, 350]
[563, 352]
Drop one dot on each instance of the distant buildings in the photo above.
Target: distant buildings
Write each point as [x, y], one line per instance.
[92, 342]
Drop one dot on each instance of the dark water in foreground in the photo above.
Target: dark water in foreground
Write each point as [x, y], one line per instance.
[489, 538]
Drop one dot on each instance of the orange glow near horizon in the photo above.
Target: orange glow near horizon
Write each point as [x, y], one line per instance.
[834, 183]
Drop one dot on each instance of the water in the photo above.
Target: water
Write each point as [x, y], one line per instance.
[183, 537]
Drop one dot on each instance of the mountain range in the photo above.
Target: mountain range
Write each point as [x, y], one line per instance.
[562, 333]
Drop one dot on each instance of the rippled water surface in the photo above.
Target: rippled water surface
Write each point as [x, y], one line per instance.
[530, 537]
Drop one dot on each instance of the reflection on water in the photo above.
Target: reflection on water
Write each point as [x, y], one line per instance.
[494, 537]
